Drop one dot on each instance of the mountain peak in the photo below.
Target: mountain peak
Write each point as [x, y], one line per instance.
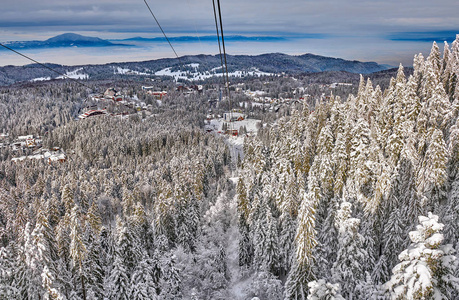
[73, 37]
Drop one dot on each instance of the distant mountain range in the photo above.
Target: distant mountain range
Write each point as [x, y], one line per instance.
[273, 63]
[63, 40]
[77, 40]
[205, 38]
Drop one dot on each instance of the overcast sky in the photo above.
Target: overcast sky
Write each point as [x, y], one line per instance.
[385, 31]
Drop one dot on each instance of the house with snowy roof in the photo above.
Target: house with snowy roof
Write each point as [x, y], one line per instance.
[92, 113]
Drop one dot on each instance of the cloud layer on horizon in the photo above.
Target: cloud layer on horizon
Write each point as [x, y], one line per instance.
[335, 17]
[344, 28]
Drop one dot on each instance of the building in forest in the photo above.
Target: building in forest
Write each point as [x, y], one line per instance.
[54, 155]
[93, 112]
[3, 136]
[233, 132]
[233, 116]
[158, 94]
[112, 94]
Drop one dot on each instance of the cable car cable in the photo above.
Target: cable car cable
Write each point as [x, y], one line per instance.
[224, 50]
[218, 38]
[159, 25]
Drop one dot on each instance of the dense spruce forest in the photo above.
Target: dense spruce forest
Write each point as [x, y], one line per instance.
[359, 198]
[342, 197]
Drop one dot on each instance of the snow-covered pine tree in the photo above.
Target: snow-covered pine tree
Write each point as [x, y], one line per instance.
[287, 222]
[170, 279]
[31, 262]
[322, 290]
[127, 247]
[117, 285]
[392, 241]
[8, 267]
[77, 250]
[264, 286]
[348, 269]
[327, 243]
[451, 215]
[433, 173]
[341, 160]
[50, 292]
[453, 84]
[94, 268]
[323, 165]
[67, 198]
[426, 267]
[142, 284]
[187, 221]
[266, 240]
[301, 272]
[362, 163]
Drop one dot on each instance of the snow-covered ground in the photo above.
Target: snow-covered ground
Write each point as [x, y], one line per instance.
[250, 125]
[195, 75]
[123, 71]
[175, 74]
[260, 104]
[255, 93]
[75, 74]
[41, 79]
[236, 147]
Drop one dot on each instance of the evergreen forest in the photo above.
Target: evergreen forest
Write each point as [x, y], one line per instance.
[342, 197]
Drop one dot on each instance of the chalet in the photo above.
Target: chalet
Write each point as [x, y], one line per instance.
[232, 132]
[233, 116]
[96, 98]
[208, 128]
[158, 94]
[25, 137]
[336, 84]
[93, 112]
[182, 88]
[198, 88]
[17, 146]
[26, 141]
[31, 143]
[110, 93]
[54, 155]
[185, 89]
[57, 157]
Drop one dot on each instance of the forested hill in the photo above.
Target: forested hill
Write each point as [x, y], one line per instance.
[274, 63]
